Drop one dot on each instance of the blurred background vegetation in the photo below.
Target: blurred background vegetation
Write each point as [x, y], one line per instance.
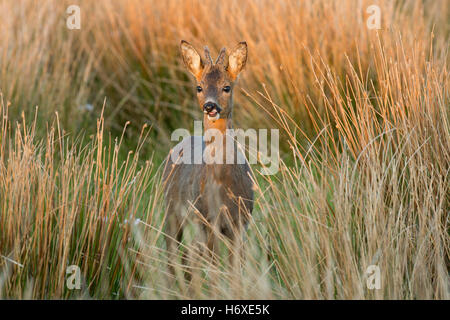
[315, 71]
[127, 52]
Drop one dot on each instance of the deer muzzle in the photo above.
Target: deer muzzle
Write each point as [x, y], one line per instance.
[212, 110]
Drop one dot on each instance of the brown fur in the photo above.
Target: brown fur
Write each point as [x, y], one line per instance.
[220, 194]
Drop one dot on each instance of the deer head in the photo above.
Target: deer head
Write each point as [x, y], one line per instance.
[215, 81]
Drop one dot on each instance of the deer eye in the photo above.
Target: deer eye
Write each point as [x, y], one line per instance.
[227, 89]
[199, 89]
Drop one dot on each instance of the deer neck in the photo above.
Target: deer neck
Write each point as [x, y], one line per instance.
[213, 146]
[221, 124]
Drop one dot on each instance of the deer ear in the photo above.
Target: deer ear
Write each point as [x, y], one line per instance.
[237, 60]
[192, 59]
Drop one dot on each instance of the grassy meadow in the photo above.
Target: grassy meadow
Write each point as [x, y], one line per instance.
[86, 118]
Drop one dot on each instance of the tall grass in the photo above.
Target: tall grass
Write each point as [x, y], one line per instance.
[128, 51]
[372, 192]
[364, 174]
[63, 204]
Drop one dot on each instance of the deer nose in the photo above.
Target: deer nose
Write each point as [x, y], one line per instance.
[210, 106]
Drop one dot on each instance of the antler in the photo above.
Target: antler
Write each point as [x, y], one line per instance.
[221, 58]
[208, 56]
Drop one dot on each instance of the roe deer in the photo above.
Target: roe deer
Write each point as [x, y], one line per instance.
[218, 195]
